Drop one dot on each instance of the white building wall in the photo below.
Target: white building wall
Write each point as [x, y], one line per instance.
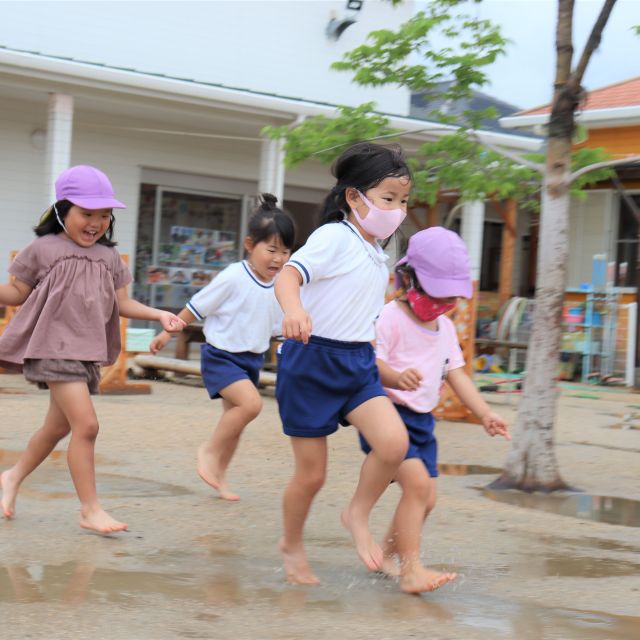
[22, 187]
[591, 230]
[231, 166]
[263, 45]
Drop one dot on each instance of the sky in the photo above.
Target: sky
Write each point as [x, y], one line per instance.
[524, 76]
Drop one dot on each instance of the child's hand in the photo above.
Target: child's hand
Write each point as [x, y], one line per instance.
[159, 342]
[495, 425]
[171, 323]
[297, 325]
[409, 380]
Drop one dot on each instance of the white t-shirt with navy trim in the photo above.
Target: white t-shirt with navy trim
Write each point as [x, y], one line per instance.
[240, 312]
[344, 282]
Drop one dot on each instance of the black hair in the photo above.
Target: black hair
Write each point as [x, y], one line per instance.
[49, 223]
[269, 220]
[362, 166]
[406, 269]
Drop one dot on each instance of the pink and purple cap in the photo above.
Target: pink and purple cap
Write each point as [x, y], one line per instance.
[87, 187]
[441, 262]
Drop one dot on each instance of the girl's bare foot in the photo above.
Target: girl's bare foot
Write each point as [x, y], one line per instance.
[370, 553]
[296, 567]
[100, 521]
[208, 470]
[419, 579]
[9, 493]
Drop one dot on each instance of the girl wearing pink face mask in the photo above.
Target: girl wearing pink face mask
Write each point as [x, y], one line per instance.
[416, 350]
[331, 291]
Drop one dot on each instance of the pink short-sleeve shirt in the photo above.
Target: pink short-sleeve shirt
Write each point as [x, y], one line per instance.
[72, 312]
[403, 344]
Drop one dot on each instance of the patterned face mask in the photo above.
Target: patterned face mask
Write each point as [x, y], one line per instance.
[425, 307]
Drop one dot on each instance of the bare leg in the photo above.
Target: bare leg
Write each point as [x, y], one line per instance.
[42, 443]
[308, 477]
[75, 402]
[242, 403]
[405, 533]
[380, 424]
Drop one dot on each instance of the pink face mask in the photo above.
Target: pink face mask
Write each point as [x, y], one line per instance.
[380, 223]
[425, 307]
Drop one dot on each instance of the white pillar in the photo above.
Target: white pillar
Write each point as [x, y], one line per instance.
[271, 179]
[59, 134]
[472, 231]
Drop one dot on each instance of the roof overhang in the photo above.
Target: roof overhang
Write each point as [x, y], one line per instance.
[593, 118]
[71, 75]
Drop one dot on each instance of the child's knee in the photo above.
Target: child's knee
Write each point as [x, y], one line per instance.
[430, 504]
[88, 430]
[394, 450]
[311, 481]
[252, 407]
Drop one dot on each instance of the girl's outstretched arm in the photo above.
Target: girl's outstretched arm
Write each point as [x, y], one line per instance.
[14, 293]
[297, 322]
[462, 384]
[130, 308]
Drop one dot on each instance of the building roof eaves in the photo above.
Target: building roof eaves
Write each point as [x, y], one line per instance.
[135, 80]
[595, 118]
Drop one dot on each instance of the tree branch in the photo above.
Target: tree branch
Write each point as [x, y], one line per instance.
[602, 165]
[592, 43]
[508, 154]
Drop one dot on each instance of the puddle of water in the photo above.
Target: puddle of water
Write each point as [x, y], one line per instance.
[254, 588]
[578, 566]
[218, 545]
[467, 470]
[48, 484]
[591, 543]
[605, 509]
[58, 458]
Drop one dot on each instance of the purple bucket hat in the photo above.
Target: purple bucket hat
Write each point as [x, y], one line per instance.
[87, 187]
[441, 262]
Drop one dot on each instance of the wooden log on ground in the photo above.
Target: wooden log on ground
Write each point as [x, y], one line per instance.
[189, 367]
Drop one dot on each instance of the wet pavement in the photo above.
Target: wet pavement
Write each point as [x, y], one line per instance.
[193, 566]
[607, 509]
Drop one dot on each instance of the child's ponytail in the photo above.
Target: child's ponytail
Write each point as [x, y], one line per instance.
[334, 206]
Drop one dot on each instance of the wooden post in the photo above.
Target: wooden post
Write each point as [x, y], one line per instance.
[507, 255]
[114, 378]
[9, 312]
[464, 318]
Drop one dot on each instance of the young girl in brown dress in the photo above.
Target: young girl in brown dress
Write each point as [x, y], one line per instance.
[71, 285]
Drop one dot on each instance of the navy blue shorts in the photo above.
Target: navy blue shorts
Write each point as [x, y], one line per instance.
[221, 368]
[422, 441]
[319, 383]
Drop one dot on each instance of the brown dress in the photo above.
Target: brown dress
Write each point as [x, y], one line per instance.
[72, 312]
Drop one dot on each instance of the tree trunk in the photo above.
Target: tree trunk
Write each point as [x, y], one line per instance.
[531, 464]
